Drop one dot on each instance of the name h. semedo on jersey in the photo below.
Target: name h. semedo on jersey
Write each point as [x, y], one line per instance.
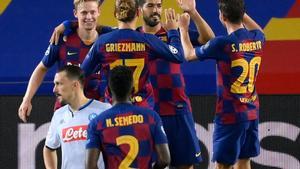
[125, 120]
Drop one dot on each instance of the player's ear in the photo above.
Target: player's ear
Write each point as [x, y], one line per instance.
[138, 12]
[75, 13]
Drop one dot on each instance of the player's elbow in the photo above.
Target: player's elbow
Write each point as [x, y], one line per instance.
[190, 55]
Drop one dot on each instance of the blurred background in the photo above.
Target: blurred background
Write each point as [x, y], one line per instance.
[25, 30]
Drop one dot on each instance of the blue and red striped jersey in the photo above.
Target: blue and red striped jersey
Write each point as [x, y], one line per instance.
[134, 49]
[73, 51]
[238, 58]
[126, 132]
[168, 82]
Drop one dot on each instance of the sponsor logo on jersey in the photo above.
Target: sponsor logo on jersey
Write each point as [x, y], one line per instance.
[74, 133]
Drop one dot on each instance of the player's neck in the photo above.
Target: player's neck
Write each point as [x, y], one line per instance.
[120, 101]
[87, 36]
[233, 27]
[127, 25]
[78, 101]
[151, 29]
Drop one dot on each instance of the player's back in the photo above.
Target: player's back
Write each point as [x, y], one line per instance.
[133, 49]
[168, 83]
[128, 134]
[238, 61]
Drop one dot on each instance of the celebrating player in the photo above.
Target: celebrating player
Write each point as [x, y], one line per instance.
[126, 46]
[171, 101]
[238, 57]
[73, 51]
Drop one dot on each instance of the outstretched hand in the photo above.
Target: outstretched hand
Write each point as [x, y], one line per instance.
[187, 5]
[184, 21]
[171, 19]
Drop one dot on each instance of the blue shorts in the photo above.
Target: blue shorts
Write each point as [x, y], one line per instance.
[235, 141]
[182, 139]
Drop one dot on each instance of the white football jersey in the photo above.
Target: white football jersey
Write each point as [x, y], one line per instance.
[68, 130]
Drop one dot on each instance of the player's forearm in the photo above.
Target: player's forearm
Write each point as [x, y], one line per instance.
[187, 46]
[92, 157]
[205, 31]
[250, 24]
[50, 158]
[35, 81]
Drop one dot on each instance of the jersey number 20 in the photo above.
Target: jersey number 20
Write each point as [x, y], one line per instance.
[248, 71]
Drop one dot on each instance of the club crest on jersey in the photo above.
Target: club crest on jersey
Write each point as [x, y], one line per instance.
[173, 49]
[92, 116]
[74, 133]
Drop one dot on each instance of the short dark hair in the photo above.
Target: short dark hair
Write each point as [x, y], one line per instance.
[233, 10]
[142, 2]
[120, 82]
[73, 72]
[126, 10]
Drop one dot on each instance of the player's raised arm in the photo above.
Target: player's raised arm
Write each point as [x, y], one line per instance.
[205, 31]
[250, 24]
[189, 52]
[172, 52]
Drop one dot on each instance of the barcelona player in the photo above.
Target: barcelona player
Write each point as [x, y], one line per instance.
[127, 135]
[238, 57]
[73, 51]
[125, 46]
[171, 101]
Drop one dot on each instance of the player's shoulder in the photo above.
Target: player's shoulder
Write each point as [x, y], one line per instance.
[60, 112]
[144, 110]
[258, 34]
[99, 105]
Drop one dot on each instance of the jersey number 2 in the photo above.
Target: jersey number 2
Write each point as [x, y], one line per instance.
[133, 149]
[138, 63]
[248, 69]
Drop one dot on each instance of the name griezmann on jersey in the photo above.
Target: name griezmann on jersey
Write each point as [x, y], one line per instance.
[125, 47]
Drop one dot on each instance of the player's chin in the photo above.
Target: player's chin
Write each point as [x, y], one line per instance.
[90, 27]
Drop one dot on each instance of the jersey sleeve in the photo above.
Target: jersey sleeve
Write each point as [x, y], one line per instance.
[259, 35]
[172, 52]
[52, 138]
[93, 135]
[194, 35]
[91, 61]
[210, 50]
[51, 56]
[158, 131]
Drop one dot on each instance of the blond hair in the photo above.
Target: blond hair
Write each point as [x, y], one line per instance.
[77, 2]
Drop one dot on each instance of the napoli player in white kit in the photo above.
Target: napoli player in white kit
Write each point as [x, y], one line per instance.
[69, 123]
